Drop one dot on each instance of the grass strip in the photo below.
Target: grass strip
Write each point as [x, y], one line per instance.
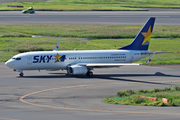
[90, 5]
[130, 97]
[11, 46]
[16, 39]
[87, 31]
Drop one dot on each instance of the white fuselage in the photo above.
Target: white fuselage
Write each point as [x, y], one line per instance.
[51, 60]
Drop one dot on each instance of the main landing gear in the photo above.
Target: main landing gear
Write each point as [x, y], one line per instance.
[89, 73]
[21, 74]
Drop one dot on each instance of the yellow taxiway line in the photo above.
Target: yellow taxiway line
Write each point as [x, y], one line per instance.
[91, 110]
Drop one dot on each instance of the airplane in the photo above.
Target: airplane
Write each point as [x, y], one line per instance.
[82, 62]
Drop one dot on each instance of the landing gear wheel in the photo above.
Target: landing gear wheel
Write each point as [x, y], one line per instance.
[89, 73]
[21, 74]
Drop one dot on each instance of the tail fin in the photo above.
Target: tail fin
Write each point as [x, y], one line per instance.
[57, 46]
[142, 40]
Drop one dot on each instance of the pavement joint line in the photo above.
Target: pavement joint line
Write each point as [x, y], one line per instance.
[7, 76]
[8, 119]
[88, 110]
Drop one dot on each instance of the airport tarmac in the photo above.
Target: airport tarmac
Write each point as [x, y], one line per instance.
[163, 17]
[54, 95]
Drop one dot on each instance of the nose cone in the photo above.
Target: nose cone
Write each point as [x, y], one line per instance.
[10, 63]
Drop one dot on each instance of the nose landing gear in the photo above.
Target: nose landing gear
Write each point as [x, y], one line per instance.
[21, 72]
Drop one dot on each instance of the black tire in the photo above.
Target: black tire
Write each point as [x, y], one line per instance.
[25, 12]
[21, 74]
[89, 73]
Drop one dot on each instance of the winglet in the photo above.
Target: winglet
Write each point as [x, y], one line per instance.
[142, 40]
[149, 60]
[57, 46]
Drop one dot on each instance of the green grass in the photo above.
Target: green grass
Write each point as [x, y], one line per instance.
[13, 45]
[130, 97]
[67, 5]
[156, 45]
[87, 31]
[16, 39]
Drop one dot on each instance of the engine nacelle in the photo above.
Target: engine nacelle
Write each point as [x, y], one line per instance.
[77, 70]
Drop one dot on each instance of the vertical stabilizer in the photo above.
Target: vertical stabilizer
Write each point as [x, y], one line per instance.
[142, 40]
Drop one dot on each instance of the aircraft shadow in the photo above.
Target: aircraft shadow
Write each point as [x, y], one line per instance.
[130, 80]
[137, 75]
[111, 77]
[107, 77]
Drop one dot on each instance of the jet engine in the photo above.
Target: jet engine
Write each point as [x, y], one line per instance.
[77, 70]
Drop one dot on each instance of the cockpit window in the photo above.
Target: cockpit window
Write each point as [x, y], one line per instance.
[18, 58]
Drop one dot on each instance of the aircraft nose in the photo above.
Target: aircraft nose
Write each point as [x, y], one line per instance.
[10, 63]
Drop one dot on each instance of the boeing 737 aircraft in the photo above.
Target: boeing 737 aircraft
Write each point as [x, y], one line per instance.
[82, 62]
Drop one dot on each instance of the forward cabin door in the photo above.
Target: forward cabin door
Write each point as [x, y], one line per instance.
[29, 60]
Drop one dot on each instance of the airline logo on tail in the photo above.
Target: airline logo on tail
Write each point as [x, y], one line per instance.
[147, 36]
[142, 40]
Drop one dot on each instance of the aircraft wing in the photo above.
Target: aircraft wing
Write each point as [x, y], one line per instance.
[156, 52]
[98, 65]
[153, 53]
[120, 64]
[107, 64]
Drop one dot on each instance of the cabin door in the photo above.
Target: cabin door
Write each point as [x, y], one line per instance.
[131, 57]
[29, 60]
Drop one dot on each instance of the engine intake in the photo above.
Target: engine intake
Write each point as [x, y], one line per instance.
[77, 70]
